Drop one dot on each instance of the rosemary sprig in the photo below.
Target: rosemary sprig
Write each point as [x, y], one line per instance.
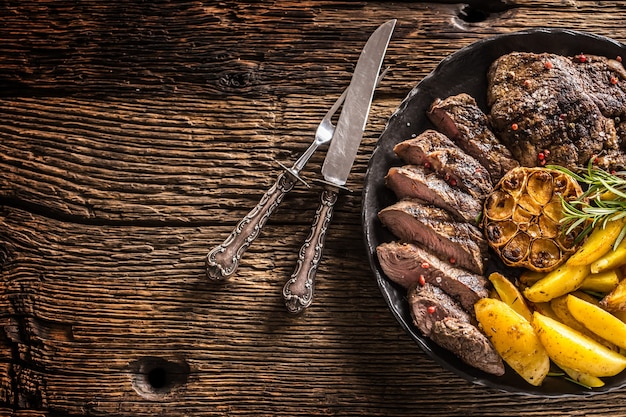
[604, 200]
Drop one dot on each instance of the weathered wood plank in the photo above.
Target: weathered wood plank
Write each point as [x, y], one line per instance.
[90, 311]
[171, 159]
[134, 135]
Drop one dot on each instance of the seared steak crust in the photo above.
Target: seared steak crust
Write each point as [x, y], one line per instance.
[567, 106]
[437, 151]
[460, 119]
[413, 181]
[434, 228]
[468, 343]
[408, 264]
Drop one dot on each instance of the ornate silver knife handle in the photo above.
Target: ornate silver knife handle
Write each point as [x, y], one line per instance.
[223, 260]
[298, 290]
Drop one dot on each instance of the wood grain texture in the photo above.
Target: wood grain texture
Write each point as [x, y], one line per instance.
[133, 137]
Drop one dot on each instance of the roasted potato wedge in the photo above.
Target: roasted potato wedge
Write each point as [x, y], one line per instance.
[599, 242]
[611, 260]
[584, 296]
[564, 315]
[574, 350]
[582, 378]
[545, 309]
[599, 321]
[514, 339]
[616, 299]
[509, 293]
[601, 282]
[528, 277]
[561, 281]
[561, 311]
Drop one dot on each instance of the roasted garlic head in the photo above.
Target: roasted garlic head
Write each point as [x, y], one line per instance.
[522, 216]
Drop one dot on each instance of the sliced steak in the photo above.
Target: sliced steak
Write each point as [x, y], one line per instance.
[434, 228]
[460, 119]
[435, 150]
[413, 181]
[565, 105]
[405, 263]
[430, 304]
[468, 343]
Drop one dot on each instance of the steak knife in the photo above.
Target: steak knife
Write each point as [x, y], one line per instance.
[298, 290]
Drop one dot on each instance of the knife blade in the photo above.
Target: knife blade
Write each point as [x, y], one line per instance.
[299, 289]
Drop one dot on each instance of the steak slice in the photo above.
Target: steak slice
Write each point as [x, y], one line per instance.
[460, 119]
[566, 105]
[430, 304]
[405, 263]
[435, 150]
[434, 228]
[412, 181]
[468, 343]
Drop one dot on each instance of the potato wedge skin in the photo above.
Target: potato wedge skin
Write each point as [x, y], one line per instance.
[563, 280]
[599, 321]
[564, 315]
[611, 260]
[509, 293]
[601, 282]
[599, 242]
[514, 338]
[574, 350]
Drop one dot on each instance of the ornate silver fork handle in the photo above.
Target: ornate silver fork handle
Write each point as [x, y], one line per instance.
[223, 260]
[298, 290]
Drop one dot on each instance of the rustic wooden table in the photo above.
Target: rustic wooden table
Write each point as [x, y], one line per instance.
[133, 137]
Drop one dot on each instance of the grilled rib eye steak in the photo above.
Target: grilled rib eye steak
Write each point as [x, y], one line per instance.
[567, 106]
[412, 221]
[461, 120]
[468, 343]
[408, 263]
[412, 181]
[435, 150]
[430, 304]
[441, 319]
